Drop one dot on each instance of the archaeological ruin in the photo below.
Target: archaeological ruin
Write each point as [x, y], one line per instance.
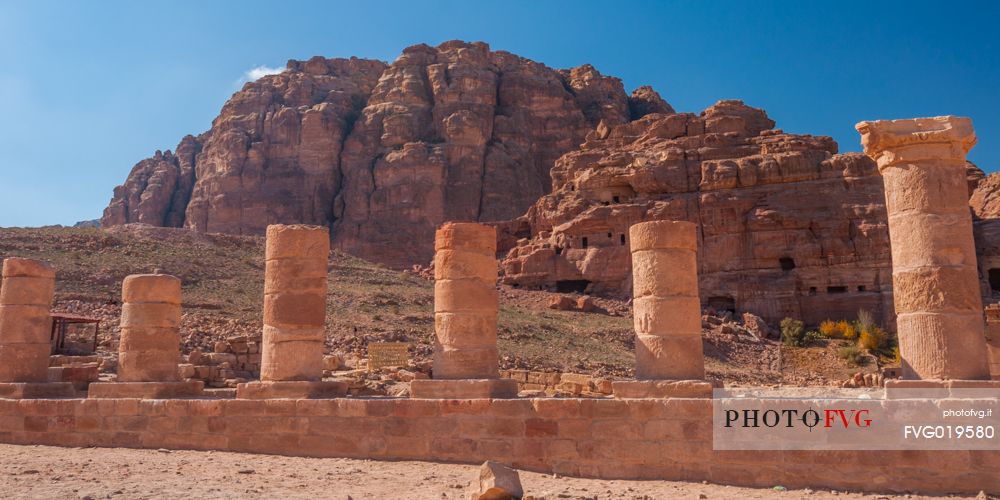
[939, 311]
[658, 426]
[148, 351]
[465, 317]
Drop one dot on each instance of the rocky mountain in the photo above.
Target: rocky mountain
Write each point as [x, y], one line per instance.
[380, 153]
[561, 161]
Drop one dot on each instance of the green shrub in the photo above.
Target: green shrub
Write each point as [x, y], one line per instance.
[852, 354]
[791, 332]
[812, 337]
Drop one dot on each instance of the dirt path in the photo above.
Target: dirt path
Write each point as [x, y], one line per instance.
[98, 473]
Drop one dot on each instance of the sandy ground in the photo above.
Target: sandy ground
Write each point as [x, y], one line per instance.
[98, 473]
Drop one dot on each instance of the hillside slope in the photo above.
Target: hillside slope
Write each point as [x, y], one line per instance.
[223, 276]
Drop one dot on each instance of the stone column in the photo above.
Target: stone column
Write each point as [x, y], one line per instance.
[465, 316]
[667, 312]
[934, 275]
[295, 286]
[26, 295]
[149, 345]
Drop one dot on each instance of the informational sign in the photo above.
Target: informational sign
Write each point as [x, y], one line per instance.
[383, 354]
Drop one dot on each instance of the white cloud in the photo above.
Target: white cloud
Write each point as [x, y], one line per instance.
[260, 71]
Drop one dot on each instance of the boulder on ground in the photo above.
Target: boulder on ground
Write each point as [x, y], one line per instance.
[498, 482]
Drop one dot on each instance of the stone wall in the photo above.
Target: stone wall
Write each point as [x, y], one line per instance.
[601, 438]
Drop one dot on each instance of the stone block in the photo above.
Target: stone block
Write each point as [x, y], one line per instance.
[664, 273]
[297, 241]
[300, 360]
[151, 315]
[294, 309]
[498, 482]
[463, 389]
[932, 240]
[466, 236]
[304, 275]
[673, 357]
[944, 289]
[30, 268]
[942, 346]
[25, 324]
[36, 390]
[926, 188]
[466, 329]
[148, 365]
[464, 362]
[459, 264]
[146, 390]
[663, 234]
[658, 389]
[667, 315]
[465, 295]
[27, 291]
[150, 339]
[151, 288]
[24, 362]
[287, 389]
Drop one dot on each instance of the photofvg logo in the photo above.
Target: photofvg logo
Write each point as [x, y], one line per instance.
[827, 418]
[855, 419]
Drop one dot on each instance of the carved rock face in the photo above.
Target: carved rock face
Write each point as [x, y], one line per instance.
[786, 226]
[381, 154]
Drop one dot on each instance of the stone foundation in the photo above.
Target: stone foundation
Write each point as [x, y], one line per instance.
[292, 389]
[146, 390]
[600, 438]
[640, 389]
[468, 389]
[19, 390]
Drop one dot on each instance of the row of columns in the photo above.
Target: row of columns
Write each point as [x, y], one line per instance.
[935, 281]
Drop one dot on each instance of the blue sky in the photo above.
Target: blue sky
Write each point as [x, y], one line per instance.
[90, 88]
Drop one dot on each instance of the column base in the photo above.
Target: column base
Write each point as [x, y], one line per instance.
[292, 389]
[500, 388]
[36, 390]
[657, 389]
[146, 390]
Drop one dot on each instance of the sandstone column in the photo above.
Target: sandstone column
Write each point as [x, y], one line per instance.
[667, 312]
[935, 280]
[149, 346]
[26, 295]
[295, 285]
[465, 316]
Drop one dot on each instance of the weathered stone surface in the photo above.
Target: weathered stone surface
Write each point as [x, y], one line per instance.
[786, 227]
[380, 153]
[292, 389]
[26, 295]
[985, 198]
[644, 100]
[938, 304]
[149, 347]
[498, 482]
[146, 390]
[465, 302]
[494, 388]
[294, 305]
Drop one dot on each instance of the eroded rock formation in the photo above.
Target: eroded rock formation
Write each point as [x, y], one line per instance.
[787, 227]
[381, 154]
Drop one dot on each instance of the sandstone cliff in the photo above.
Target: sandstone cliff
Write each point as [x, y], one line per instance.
[380, 153]
[787, 227]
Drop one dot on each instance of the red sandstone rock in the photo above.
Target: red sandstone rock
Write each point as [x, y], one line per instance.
[985, 198]
[787, 227]
[381, 154]
[498, 482]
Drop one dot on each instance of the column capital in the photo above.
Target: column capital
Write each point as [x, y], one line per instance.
[890, 142]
